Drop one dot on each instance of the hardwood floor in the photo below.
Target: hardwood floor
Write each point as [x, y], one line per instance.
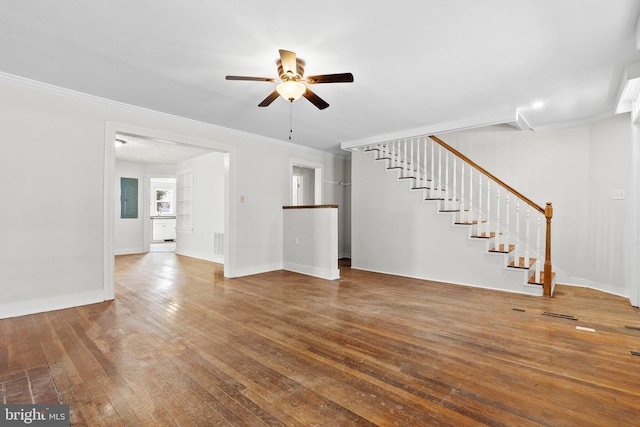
[182, 345]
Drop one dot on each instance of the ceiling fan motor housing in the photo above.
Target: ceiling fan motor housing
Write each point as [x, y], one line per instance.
[288, 76]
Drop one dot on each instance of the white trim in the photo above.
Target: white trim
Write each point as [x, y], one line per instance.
[129, 251]
[634, 261]
[310, 270]
[68, 93]
[510, 116]
[514, 291]
[317, 167]
[249, 271]
[58, 302]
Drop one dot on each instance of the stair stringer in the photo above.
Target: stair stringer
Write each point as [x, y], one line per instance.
[396, 231]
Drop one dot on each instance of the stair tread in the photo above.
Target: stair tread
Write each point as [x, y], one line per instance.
[532, 279]
[501, 249]
[484, 235]
[521, 263]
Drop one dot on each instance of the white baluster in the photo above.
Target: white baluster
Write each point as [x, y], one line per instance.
[497, 239]
[446, 181]
[432, 184]
[479, 226]
[454, 188]
[506, 239]
[411, 163]
[526, 239]
[462, 218]
[488, 226]
[405, 165]
[516, 251]
[424, 174]
[417, 166]
[470, 213]
[538, 260]
[394, 157]
[439, 171]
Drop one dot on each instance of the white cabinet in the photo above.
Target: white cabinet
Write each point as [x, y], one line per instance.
[164, 229]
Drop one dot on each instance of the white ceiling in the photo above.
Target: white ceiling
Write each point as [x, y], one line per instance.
[415, 63]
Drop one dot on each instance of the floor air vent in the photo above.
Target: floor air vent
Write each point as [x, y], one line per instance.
[562, 316]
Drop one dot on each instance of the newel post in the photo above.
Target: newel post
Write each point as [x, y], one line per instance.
[548, 214]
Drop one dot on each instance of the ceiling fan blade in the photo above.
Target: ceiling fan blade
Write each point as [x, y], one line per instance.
[315, 99]
[331, 78]
[288, 61]
[269, 99]
[253, 79]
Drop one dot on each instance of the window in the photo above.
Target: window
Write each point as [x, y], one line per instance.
[164, 202]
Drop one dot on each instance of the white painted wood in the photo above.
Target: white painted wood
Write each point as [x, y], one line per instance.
[446, 181]
[538, 259]
[497, 239]
[462, 195]
[506, 236]
[527, 256]
[488, 225]
[516, 250]
[479, 225]
[470, 207]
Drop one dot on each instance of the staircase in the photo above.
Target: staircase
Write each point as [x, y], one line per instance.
[511, 226]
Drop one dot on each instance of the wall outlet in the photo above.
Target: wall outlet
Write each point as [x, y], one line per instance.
[618, 194]
[296, 241]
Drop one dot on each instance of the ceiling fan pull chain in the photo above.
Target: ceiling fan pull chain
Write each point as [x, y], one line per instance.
[290, 119]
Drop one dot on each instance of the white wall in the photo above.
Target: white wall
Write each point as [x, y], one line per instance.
[311, 241]
[396, 232]
[208, 207]
[574, 168]
[53, 155]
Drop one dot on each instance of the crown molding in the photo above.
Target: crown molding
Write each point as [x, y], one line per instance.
[96, 100]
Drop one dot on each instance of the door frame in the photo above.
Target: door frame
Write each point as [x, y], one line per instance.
[113, 128]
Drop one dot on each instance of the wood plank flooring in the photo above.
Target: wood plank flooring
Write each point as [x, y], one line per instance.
[182, 345]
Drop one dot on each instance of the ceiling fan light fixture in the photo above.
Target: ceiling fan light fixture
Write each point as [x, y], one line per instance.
[291, 90]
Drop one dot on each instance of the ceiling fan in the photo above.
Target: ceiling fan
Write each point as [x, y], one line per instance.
[292, 84]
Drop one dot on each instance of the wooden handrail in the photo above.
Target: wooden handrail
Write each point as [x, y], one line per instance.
[547, 211]
[489, 174]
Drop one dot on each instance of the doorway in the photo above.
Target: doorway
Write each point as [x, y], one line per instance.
[305, 182]
[162, 206]
[168, 141]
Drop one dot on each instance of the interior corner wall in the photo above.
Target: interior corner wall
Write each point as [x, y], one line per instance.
[53, 145]
[575, 168]
[336, 191]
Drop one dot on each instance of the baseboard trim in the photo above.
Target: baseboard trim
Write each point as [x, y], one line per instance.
[309, 270]
[58, 302]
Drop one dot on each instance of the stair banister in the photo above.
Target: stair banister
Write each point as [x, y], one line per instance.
[547, 211]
